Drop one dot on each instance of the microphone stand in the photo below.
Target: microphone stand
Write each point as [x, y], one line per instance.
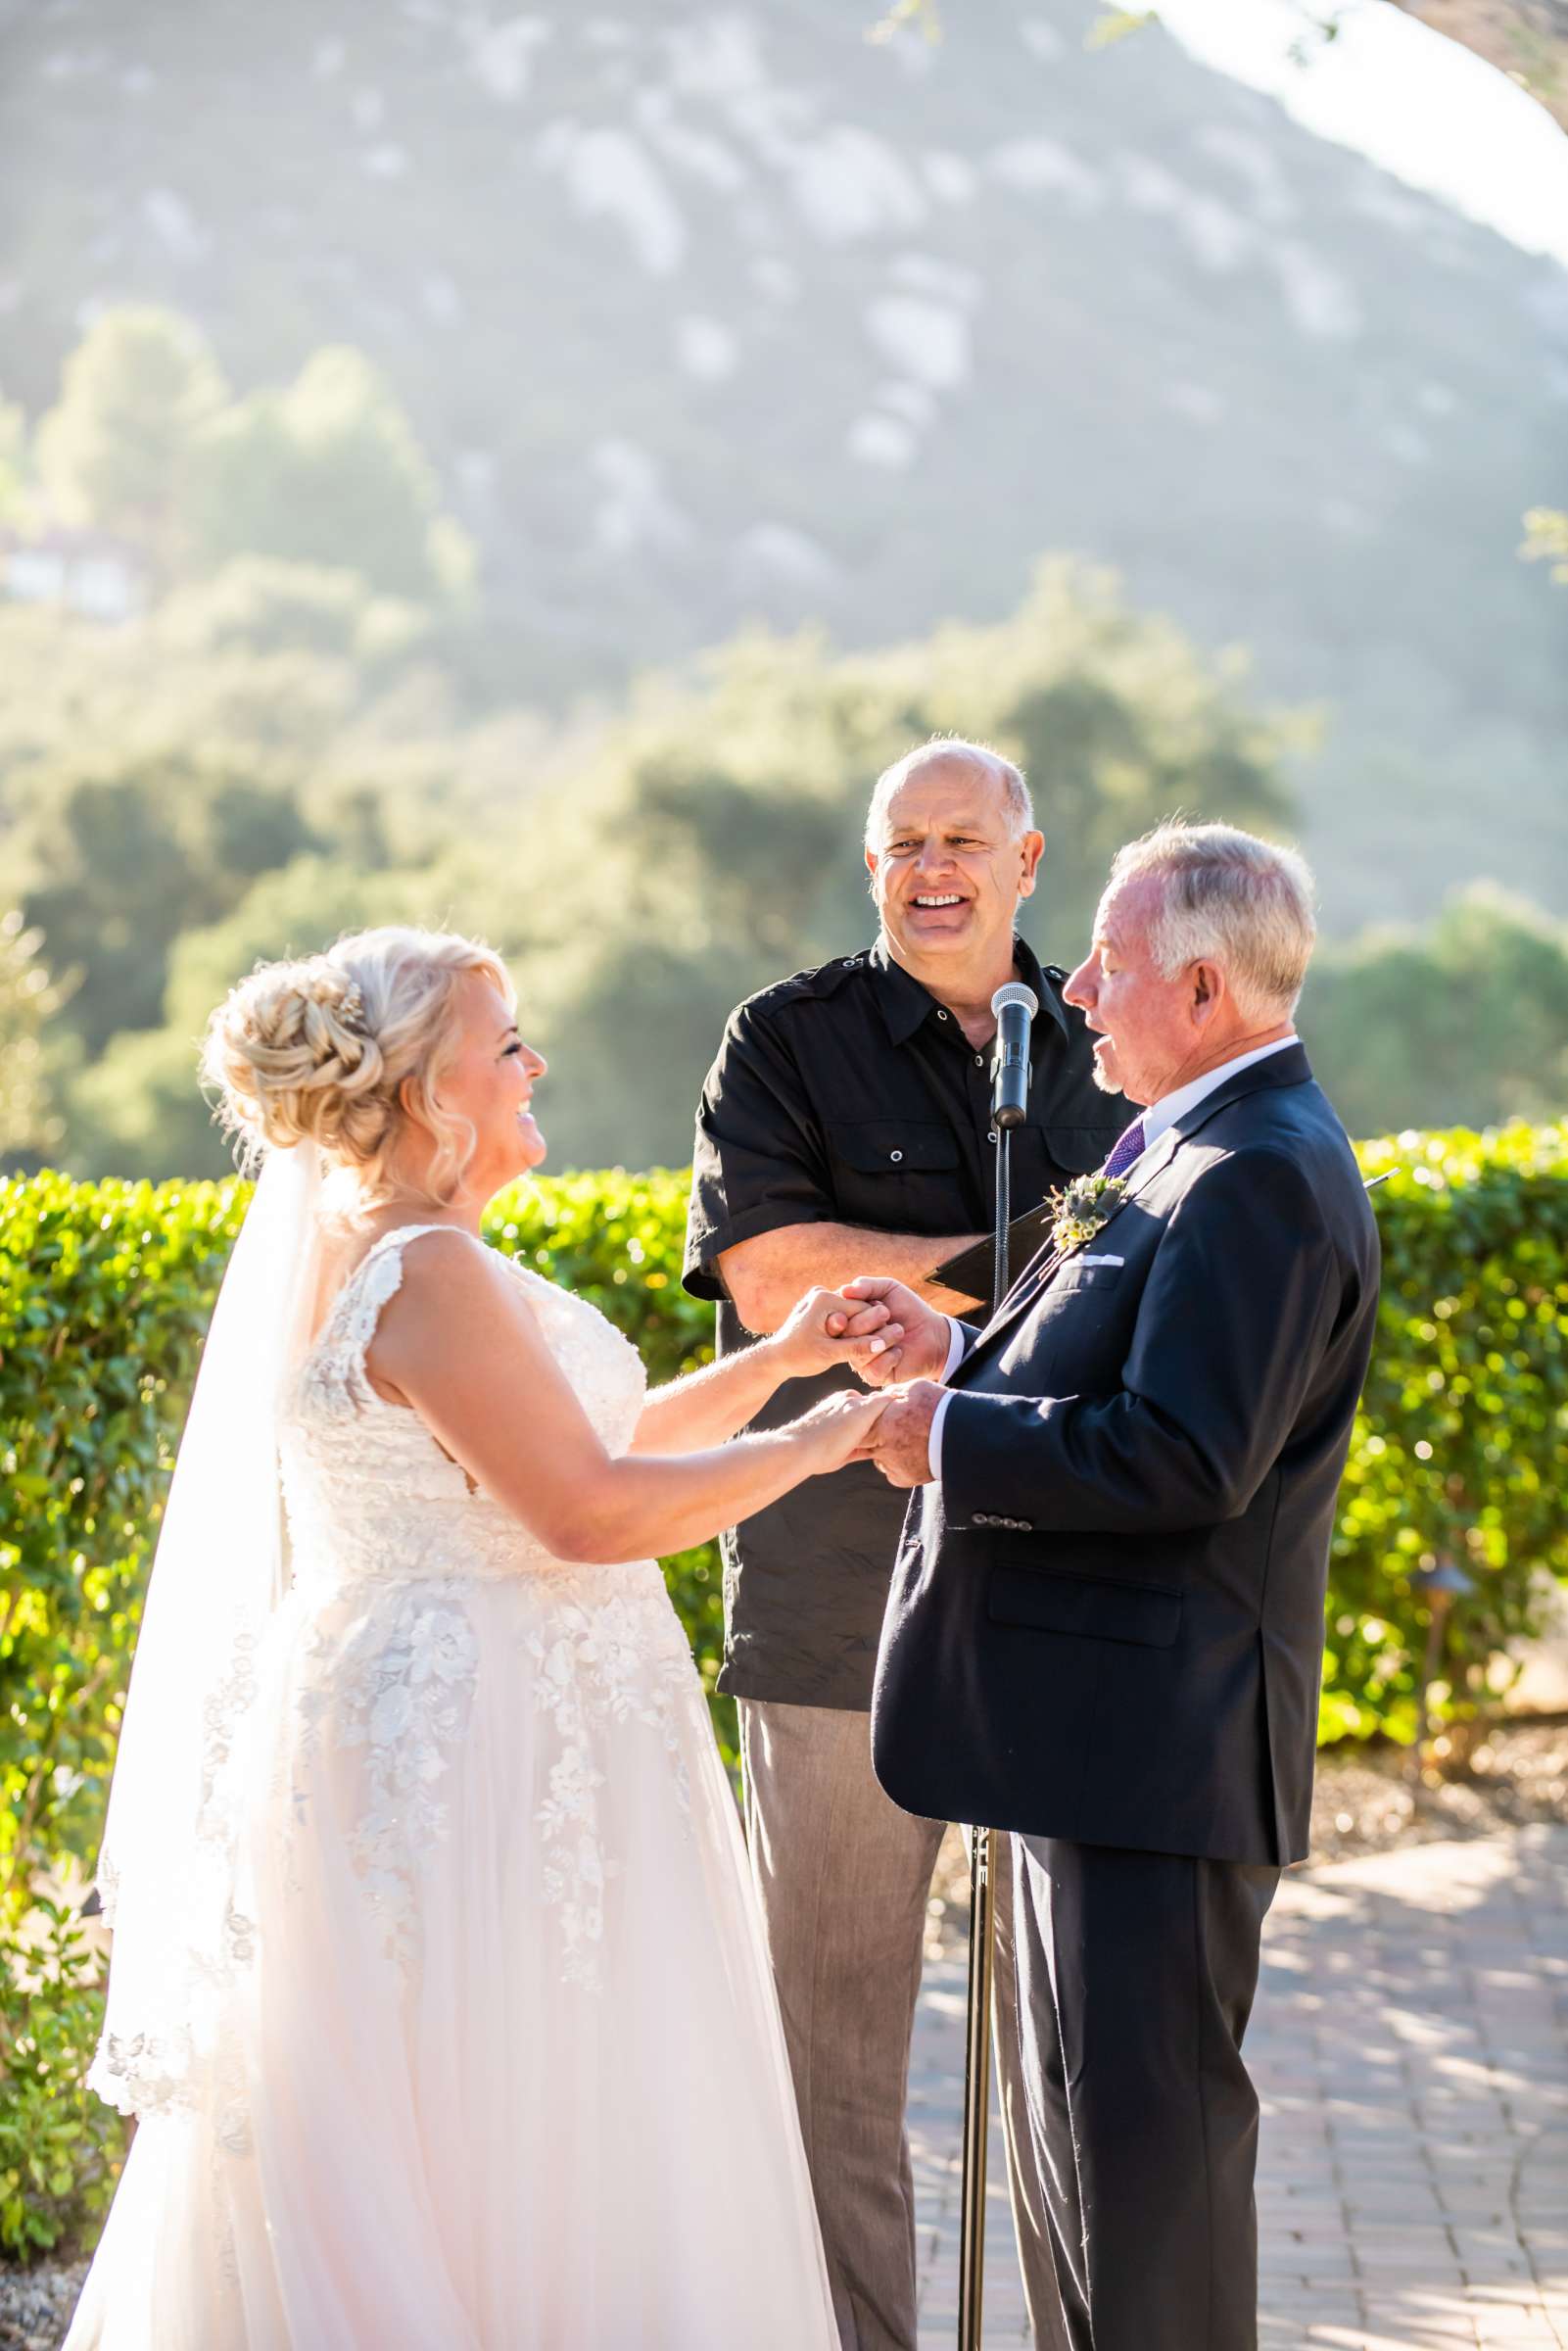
[982, 1920]
[981, 1954]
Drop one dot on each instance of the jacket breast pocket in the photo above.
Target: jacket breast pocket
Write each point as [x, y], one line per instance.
[1079, 1275]
[1146, 1614]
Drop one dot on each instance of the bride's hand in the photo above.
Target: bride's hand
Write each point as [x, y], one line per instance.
[825, 1329]
[838, 1430]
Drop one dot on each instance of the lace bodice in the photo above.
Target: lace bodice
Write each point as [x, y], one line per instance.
[368, 1490]
[381, 1518]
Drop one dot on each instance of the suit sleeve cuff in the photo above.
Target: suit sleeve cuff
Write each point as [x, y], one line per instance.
[934, 1443]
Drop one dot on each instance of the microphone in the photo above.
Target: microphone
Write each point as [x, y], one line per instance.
[1015, 1007]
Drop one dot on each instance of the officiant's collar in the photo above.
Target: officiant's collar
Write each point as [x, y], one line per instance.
[907, 1004]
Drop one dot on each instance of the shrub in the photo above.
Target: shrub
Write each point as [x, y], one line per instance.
[60, 2149]
[1460, 1452]
[104, 1293]
[104, 1289]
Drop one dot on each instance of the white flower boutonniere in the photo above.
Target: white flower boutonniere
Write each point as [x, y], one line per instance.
[1081, 1207]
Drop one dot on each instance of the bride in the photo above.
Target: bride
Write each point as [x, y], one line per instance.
[437, 1984]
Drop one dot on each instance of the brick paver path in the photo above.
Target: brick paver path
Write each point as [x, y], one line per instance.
[1411, 2047]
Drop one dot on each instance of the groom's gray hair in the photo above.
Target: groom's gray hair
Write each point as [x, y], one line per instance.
[1229, 898]
[944, 750]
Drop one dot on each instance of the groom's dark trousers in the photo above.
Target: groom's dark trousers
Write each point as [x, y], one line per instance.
[1105, 1635]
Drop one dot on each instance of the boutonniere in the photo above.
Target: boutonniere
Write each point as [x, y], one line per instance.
[1081, 1207]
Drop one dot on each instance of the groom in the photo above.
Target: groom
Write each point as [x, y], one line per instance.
[1106, 1624]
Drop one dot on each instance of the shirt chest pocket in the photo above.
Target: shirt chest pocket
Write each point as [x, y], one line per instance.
[885, 1170]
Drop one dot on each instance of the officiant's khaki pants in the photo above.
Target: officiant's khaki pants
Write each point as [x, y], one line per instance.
[844, 1878]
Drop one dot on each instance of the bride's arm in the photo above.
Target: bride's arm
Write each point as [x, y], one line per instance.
[707, 1406]
[460, 1343]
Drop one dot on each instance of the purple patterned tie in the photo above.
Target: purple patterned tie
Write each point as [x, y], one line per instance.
[1127, 1147]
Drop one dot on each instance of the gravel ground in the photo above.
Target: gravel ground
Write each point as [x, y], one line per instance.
[1367, 1801]
[35, 2305]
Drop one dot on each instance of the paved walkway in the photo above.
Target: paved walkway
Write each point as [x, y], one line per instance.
[1411, 2047]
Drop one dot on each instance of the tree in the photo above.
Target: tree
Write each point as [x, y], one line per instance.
[121, 450]
[714, 843]
[1546, 541]
[12, 459]
[330, 472]
[139, 1111]
[1465, 1023]
[138, 851]
[261, 605]
[29, 1126]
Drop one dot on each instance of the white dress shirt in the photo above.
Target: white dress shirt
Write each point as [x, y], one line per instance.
[1157, 1119]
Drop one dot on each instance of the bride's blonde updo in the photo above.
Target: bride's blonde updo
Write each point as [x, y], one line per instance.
[326, 1050]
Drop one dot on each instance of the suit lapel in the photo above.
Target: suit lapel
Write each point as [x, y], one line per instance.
[1048, 1261]
[1287, 1068]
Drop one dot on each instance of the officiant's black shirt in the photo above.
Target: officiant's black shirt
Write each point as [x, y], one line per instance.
[849, 1096]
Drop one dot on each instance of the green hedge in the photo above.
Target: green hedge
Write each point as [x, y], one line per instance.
[104, 1293]
[1460, 1451]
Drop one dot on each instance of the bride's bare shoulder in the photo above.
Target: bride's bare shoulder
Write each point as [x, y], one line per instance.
[453, 1285]
[455, 1315]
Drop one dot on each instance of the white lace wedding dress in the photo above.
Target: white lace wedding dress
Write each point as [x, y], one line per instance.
[502, 2066]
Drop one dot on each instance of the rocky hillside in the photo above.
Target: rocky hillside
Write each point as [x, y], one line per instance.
[709, 316]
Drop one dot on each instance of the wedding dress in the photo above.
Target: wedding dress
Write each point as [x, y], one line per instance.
[498, 2065]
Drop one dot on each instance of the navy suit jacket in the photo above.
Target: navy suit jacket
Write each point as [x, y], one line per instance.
[1106, 1621]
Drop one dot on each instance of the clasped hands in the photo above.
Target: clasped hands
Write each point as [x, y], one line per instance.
[893, 1341]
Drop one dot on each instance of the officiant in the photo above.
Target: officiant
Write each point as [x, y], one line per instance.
[845, 1127]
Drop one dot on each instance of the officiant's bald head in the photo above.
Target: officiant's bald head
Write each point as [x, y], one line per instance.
[951, 850]
[954, 757]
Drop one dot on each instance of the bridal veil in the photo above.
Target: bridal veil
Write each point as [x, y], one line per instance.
[172, 1844]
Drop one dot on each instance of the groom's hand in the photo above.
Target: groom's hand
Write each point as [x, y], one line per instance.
[919, 1350]
[827, 1328]
[901, 1441]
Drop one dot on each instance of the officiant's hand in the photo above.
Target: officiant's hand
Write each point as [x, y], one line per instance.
[914, 1346]
[826, 1328]
[901, 1441]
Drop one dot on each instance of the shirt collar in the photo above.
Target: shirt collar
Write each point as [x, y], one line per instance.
[1163, 1114]
[906, 1003]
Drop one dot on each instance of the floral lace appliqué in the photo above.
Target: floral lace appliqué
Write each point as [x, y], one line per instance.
[381, 1519]
[400, 1687]
[594, 1665]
